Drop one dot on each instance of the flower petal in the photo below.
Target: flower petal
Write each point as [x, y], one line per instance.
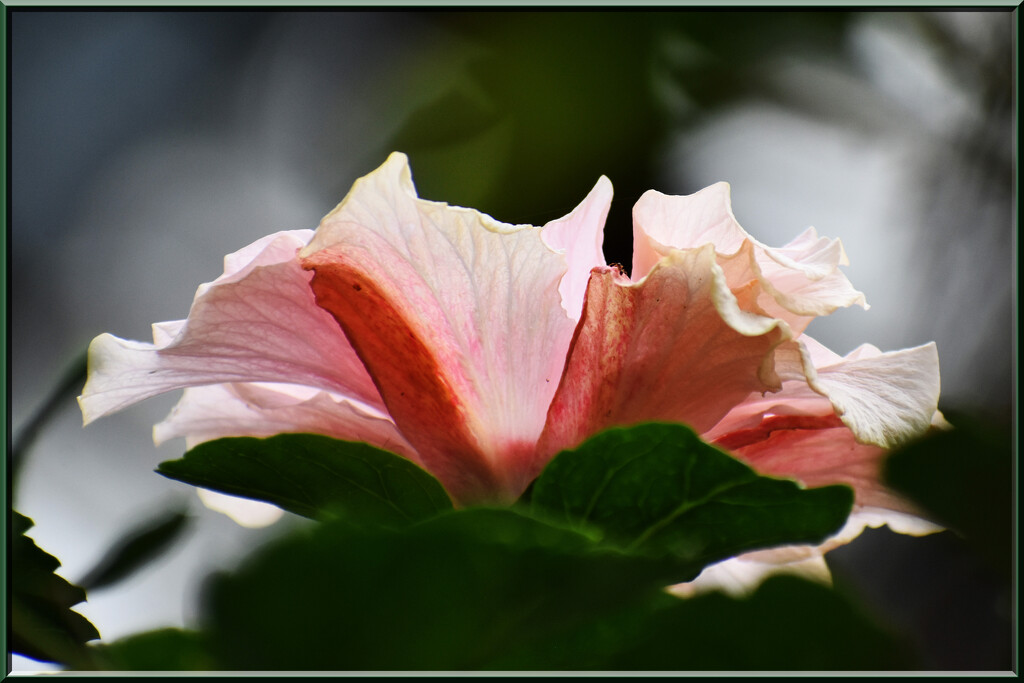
[663, 222]
[865, 517]
[741, 575]
[580, 236]
[256, 322]
[816, 452]
[836, 426]
[457, 317]
[676, 346]
[800, 280]
[885, 399]
[252, 514]
[743, 422]
[250, 409]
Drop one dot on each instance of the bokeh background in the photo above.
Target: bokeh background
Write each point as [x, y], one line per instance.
[145, 145]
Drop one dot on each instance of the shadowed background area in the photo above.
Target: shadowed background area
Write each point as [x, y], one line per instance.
[146, 145]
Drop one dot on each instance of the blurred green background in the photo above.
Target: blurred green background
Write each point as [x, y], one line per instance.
[146, 145]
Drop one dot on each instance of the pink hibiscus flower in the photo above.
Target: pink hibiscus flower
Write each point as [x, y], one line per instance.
[479, 349]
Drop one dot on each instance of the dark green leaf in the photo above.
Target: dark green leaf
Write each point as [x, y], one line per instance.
[314, 476]
[135, 549]
[659, 489]
[589, 646]
[452, 593]
[788, 624]
[43, 625]
[167, 649]
[964, 479]
[484, 589]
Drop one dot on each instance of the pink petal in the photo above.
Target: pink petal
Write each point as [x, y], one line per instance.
[457, 317]
[676, 346]
[580, 236]
[816, 452]
[836, 423]
[885, 399]
[795, 399]
[808, 281]
[662, 222]
[257, 322]
[799, 281]
[248, 409]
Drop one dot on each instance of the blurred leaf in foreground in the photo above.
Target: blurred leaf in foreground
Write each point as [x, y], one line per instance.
[167, 649]
[137, 548]
[963, 477]
[451, 593]
[488, 589]
[43, 625]
[60, 396]
[788, 624]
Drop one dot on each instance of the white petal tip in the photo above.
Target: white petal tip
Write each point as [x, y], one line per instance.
[251, 514]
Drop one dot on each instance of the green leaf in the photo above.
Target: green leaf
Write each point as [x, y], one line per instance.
[452, 593]
[658, 489]
[490, 589]
[138, 547]
[43, 625]
[314, 476]
[787, 624]
[963, 478]
[167, 649]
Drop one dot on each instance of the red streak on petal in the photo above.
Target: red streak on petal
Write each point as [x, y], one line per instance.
[655, 350]
[816, 451]
[590, 379]
[746, 437]
[411, 382]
